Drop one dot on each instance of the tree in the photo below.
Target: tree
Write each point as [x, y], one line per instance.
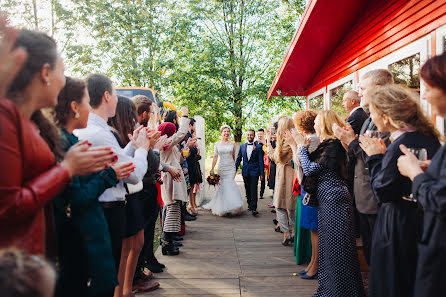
[229, 61]
[127, 39]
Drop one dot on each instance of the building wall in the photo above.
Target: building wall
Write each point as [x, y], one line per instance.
[383, 28]
[432, 43]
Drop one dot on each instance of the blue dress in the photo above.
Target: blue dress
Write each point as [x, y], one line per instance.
[308, 215]
[338, 273]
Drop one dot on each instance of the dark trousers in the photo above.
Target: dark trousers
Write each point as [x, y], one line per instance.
[150, 210]
[262, 186]
[115, 216]
[106, 294]
[73, 262]
[366, 224]
[251, 183]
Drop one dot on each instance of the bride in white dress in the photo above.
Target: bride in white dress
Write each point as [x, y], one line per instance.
[228, 199]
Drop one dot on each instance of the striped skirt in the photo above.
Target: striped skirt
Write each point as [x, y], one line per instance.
[172, 217]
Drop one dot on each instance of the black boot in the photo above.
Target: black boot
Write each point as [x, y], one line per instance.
[168, 247]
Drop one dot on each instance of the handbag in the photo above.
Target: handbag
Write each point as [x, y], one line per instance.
[310, 200]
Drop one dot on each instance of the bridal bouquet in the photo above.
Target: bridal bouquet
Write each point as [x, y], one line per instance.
[213, 180]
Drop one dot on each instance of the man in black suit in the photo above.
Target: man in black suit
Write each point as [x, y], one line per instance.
[357, 115]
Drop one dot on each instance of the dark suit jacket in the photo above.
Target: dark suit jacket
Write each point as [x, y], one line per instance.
[356, 119]
[253, 167]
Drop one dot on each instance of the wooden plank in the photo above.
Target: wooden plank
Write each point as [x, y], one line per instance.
[231, 257]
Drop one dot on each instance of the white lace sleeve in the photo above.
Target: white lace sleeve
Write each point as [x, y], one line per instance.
[216, 149]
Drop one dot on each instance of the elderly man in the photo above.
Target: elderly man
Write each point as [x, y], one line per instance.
[356, 117]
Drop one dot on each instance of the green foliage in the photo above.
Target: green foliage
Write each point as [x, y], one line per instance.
[218, 57]
[229, 61]
[337, 95]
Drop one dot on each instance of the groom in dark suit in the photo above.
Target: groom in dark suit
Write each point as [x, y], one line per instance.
[252, 169]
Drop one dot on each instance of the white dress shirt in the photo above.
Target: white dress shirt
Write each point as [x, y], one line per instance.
[98, 133]
[249, 149]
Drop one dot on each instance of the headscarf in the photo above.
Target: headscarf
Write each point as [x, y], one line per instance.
[167, 128]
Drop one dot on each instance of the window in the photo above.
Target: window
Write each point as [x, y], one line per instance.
[444, 44]
[317, 103]
[406, 72]
[336, 96]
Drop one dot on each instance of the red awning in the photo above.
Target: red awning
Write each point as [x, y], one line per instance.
[323, 26]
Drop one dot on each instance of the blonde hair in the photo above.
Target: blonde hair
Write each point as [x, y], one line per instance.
[403, 109]
[155, 119]
[225, 127]
[283, 152]
[304, 120]
[327, 119]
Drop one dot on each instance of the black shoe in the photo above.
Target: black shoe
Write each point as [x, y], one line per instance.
[170, 249]
[273, 211]
[189, 218]
[275, 222]
[191, 214]
[154, 268]
[154, 262]
[287, 241]
[249, 209]
[255, 213]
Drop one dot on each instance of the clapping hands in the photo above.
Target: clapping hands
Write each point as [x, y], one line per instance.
[346, 135]
[293, 136]
[372, 146]
[144, 138]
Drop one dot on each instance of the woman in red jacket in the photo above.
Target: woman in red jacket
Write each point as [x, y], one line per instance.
[29, 175]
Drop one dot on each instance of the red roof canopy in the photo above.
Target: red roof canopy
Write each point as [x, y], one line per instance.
[323, 25]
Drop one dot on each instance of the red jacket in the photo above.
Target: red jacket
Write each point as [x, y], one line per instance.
[28, 179]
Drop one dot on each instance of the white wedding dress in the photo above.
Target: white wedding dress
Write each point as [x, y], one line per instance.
[228, 199]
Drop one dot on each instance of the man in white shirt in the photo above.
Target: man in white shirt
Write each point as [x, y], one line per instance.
[103, 100]
[251, 154]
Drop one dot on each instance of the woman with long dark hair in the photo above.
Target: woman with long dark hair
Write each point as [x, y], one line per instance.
[123, 124]
[83, 240]
[394, 244]
[34, 177]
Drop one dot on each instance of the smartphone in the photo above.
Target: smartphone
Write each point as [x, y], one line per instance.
[273, 131]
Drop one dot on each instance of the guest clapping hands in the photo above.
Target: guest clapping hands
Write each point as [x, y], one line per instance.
[429, 189]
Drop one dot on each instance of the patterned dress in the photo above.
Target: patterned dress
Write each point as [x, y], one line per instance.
[338, 273]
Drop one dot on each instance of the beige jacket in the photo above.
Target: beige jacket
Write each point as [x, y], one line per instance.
[283, 189]
[172, 190]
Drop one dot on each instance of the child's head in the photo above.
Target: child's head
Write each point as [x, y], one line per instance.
[23, 275]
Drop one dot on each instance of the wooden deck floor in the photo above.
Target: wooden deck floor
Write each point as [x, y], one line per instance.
[238, 256]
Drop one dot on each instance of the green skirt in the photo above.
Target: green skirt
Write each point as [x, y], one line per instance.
[302, 238]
